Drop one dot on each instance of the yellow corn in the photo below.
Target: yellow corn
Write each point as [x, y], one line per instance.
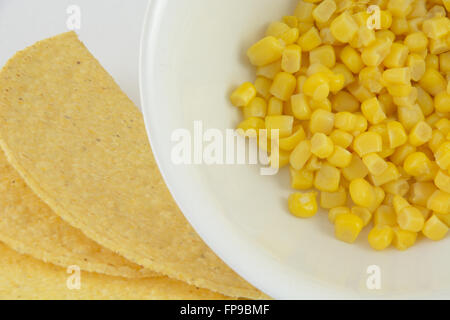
[344, 101]
[439, 202]
[289, 143]
[410, 115]
[327, 178]
[251, 126]
[435, 229]
[436, 28]
[444, 62]
[275, 107]
[300, 107]
[329, 200]
[374, 54]
[348, 227]
[300, 155]
[356, 170]
[385, 216]
[425, 101]
[310, 40]
[314, 164]
[262, 86]
[432, 61]
[401, 76]
[269, 71]
[301, 179]
[342, 69]
[403, 239]
[398, 55]
[317, 86]
[437, 139]
[243, 95]
[390, 174]
[291, 59]
[344, 27]
[368, 142]
[373, 111]
[279, 159]
[420, 134]
[410, 219]
[442, 181]
[283, 86]
[381, 237]
[360, 92]
[321, 145]
[397, 134]
[303, 205]
[257, 108]
[375, 164]
[421, 192]
[304, 10]
[401, 153]
[442, 156]
[364, 213]
[417, 164]
[340, 158]
[335, 212]
[291, 21]
[417, 66]
[416, 41]
[442, 102]
[341, 138]
[323, 12]
[362, 193]
[351, 59]
[321, 121]
[323, 55]
[398, 187]
[433, 82]
[265, 51]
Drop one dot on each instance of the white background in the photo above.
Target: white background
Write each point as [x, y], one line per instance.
[111, 30]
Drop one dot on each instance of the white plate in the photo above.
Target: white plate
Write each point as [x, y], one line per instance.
[193, 54]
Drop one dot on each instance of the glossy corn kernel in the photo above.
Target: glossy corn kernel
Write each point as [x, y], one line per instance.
[250, 127]
[362, 193]
[262, 86]
[385, 216]
[375, 164]
[303, 205]
[444, 62]
[351, 59]
[396, 133]
[289, 143]
[314, 164]
[403, 240]
[291, 59]
[344, 101]
[291, 36]
[324, 104]
[323, 12]
[432, 61]
[275, 107]
[397, 56]
[410, 219]
[436, 28]
[304, 10]
[417, 66]
[420, 193]
[348, 227]
[336, 82]
[310, 40]
[381, 237]
[283, 86]
[335, 212]
[373, 111]
[344, 27]
[341, 138]
[300, 155]
[317, 86]
[410, 115]
[242, 96]
[340, 158]
[356, 170]
[265, 51]
[437, 139]
[301, 179]
[435, 229]
[398, 187]
[401, 153]
[284, 124]
[425, 101]
[257, 108]
[342, 69]
[329, 200]
[321, 145]
[439, 202]
[279, 159]
[375, 54]
[433, 82]
[360, 92]
[442, 156]
[368, 142]
[420, 134]
[397, 76]
[364, 213]
[345, 121]
[417, 164]
[321, 122]
[327, 178]
[300, 107]
[390, 174]
[442, 181]
[323, 55]
[416, 41]
[291, 21]
[269, 71]
[442, 102]
[276, 29]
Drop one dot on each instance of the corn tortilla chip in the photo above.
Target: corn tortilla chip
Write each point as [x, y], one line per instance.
[23, 277]
[81, 145]
[30, 227]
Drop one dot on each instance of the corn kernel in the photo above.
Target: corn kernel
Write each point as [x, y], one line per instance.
[279, 159]
[341, 138]
[304, 10]
[375, 54]
[323, 12]
[439, 202]
[373, 111]
[291, 59]
[442, 156]
[303, 205]
[385, 216]
[243, 95]
[417, 66]
[324, 104]
[345, 121]
[300, 107]
[364, 213]
[397, 134]
[282, 123]
[329, 200]
[335, 212]
[400, 76]
[444, 62]
[289, 143]
[436, 28]
[400, 8]
[300, 82]
[442, 181]
[275, 107]
[399, 203]
[416, 41]
[276, 29]
[300, 155]
[420, 134]
[265, 51]
[269, 71]
[442, 102]
[321, 146]
[324, 55]
[439, 46]
[368, 142]
[317, 86]
[437, 139]
[402, 153]
[417, 164]
[398, 187]
[344, 27]
[381, 237]
[314, 164]
[421, 192]
[397, 57]
[344, 101]
[410, 219]
[301, 179]
[351, 59]
[342, 69]
[403, 239]
[327, 178]
[371, 79]
[433, 82]
[340, 157]
[443, 125]
[425, 101]
[291, 21]
[356, 170]
[322, 121]
[250, 127]
[360, 92]
[375, 164]
[410, 115]
[256, 109]
[291, 36]
[348, 227]
[435, 229]
[387, 176]
[432, 61]
[283, 86]
[362, 193]
[310, 40]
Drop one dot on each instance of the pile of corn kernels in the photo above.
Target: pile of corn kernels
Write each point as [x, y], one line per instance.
[359, 92]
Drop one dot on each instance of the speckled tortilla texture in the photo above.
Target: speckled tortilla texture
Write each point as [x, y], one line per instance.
[23, 277]
[80, 144]
[30, 227]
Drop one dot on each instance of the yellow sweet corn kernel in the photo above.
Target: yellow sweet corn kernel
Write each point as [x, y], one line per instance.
[363, 213]
[269, 71]
[385, 35]
[351, 59]
[381, 237]
[362, 193]
[407, 101]
[399, 90]
[304, 10]
[385, 216]
[256, 109]
[443, 125]
[323, 55]
[250, 127]
[310, 40]
[327, 178]
[415, 24]
[387, 176]
[410, 115]
[324, 104]
[291, 36]
[401, 153]
[425, 101]
[397, 134]
[442, 181]
[400, 8]
[439, 202]
[439, 46]
[321, 146]
[276, 29]
[344, 27]
[445, 218]
[400, 26]
[419, 9]
[421, 192]
[283, 86]
[388, 201]
[300, 82]
[291, 59]
[303, 205]
[397, 57]
[380, 195]
[360, 92]
[262, 86]
[375, 164]
[317, 67]
[387, 103]
[410, 219]
[341, 138]
[375, 54]
[433, 168]
[433, 82]
[242, 96]
[335, 212]
[373, 111]
[301, 179]
[300, 155]
[420, 134]
[371, 79]
[417, 66]
[398, 187]
[336, 82]
[417, 164]
[437, 139]
[344, 101]
[399, 203]
[289, 143]
[275, 107]
[329, 200]
[284, 124]
[368, 142]
[436, 28]
[403, 239]
[314, 164]
[340, 158]
[321, 121]
[327, 36]
[416, 41]
[279, 159]
[425, 212]
[265, 51]
[317, 86]
[435, 229]
[442, 102]
[345, 121]
[396, 76]
[442, 156]
[342, 69]
[363, 38]
[323, 12]
[300, 107]
[432, 61]
[444, 62]
[356, 170]
[291, 21]
[348, 227]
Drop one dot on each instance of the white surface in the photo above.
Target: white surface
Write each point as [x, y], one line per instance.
[111, 30]
[193, 54]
